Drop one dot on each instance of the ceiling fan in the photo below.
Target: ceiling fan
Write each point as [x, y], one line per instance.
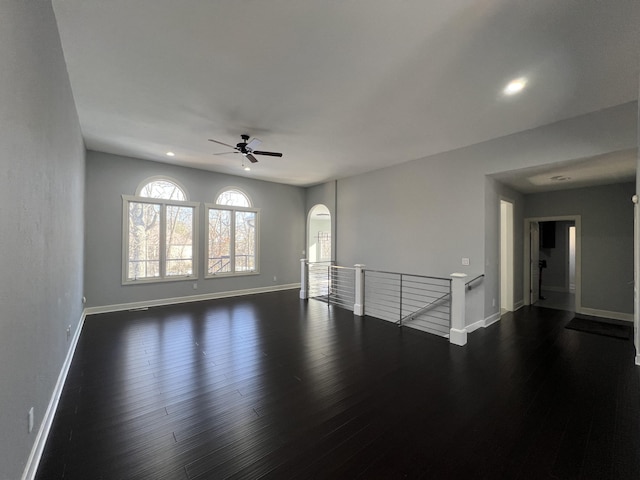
[247, 148]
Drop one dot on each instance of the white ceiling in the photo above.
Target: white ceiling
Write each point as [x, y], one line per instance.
[340, 87]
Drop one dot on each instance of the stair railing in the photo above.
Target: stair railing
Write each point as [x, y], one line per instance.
[428, 303]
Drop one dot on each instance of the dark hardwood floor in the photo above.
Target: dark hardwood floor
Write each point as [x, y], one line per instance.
[271, 386]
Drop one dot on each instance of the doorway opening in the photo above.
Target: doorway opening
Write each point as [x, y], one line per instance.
[319, 234]
[552, 262]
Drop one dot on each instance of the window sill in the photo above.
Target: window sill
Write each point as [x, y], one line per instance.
[148, 281]
[231, 275]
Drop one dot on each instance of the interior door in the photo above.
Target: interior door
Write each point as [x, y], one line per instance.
[534, 243]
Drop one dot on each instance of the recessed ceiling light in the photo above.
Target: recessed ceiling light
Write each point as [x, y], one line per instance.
[247, 169]
[560, 178]
[515, 86]
[171, 154]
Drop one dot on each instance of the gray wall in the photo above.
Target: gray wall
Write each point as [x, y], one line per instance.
[41, 207]
[494, 192]
[607, 240]
[424, 216]
[282, 225]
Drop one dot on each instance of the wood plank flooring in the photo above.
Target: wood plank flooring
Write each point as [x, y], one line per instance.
[269, 386]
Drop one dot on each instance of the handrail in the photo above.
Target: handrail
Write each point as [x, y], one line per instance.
[338, 267]
[422, 309]
[408, 275]
[434, 304]
[468, 284]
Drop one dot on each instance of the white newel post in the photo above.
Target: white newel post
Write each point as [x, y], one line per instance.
[458, 332]
[358, 307]
[304, 279]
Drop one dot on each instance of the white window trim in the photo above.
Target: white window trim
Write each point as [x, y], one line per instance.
[126, 199]
[233, 208]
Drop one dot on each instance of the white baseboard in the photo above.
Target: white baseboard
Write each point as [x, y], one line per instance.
[637, 359]
[491, 319]
[191, 298]
[518, 305]
[47, 420]
[605, 314]
[474, 326]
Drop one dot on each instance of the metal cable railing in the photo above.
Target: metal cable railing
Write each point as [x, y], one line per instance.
[431, 304]
[332, 284]
[342, 292]
[319, 279]
[418, 301]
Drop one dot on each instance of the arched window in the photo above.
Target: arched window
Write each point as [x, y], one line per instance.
[232, 246]
[162, 188]
[233, 196]
[160, 233]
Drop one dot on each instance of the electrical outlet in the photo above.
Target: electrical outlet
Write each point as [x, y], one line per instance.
[275, 279]
[68, 332]
[494, 302]
[195, 285]
[465, 261]
[31, 420]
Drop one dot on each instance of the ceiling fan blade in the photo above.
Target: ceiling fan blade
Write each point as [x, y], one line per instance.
[251, 158]
[271, 154]
[222, 143]
[253, 144]
[224, 153]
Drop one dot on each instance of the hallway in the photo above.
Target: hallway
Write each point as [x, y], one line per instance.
[557, 300]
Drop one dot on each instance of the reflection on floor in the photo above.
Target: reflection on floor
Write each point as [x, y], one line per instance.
[273, 387]
[558, 300]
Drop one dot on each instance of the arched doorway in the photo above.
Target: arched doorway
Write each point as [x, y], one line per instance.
[319, 234]
[319, 252]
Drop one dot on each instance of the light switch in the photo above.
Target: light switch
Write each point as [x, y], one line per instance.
[465, 261]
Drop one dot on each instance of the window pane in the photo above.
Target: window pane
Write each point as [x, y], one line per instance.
[163, 189]
[324, 245]
[245, 254]
[179, 241]
[144, 241]
[219, 241]
[233, 197]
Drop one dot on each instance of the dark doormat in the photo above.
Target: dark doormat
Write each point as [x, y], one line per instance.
[609, 328]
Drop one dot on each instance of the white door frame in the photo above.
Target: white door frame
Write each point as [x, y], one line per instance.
[505, 272]
[636, 276]
[576, 219]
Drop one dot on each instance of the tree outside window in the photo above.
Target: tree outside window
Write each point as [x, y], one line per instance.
[160, 233]
[233, 231]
